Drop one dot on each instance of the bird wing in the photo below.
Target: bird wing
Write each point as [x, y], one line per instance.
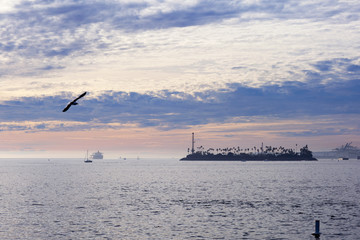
[73, 102]
[79, 97]
[67, 107]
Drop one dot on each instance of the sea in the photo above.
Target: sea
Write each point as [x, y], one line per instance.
[172, 199]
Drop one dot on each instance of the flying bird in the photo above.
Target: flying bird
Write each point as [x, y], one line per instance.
[73, 102]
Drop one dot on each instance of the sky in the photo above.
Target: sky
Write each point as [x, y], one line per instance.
[236, 73]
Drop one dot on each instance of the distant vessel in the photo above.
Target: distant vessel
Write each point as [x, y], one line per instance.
[97, 155]
[87, 160]
[344, 151]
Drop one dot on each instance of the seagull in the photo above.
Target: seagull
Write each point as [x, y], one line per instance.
[73, 102]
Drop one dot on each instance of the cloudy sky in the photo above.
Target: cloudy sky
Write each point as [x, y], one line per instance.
[237, 73]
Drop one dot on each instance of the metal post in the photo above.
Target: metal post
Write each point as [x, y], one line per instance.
[317, 233]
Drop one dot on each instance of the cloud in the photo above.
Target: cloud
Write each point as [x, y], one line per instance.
[50, 67]
[159, 65]
[177, 109]
[354, 68]
[100, 38]
[318, 132]
[61, 28]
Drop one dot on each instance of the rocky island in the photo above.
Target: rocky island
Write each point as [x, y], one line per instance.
[262, 153]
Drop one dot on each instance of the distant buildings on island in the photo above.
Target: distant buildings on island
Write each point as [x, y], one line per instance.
[267, 153]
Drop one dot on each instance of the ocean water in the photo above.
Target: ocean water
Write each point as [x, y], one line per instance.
[169, 199]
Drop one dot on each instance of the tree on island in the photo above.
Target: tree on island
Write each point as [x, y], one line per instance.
[304, 151]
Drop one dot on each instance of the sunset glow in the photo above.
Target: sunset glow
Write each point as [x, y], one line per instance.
[234, 72]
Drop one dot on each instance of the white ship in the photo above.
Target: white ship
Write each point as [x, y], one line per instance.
[97, 155]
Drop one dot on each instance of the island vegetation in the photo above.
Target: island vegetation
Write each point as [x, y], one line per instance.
[266, 153]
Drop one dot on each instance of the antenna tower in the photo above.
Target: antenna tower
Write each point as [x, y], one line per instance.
[192, 144]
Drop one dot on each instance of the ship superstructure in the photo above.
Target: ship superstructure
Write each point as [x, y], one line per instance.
[97, 155]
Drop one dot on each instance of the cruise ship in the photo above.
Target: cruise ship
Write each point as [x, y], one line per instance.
[97, 155]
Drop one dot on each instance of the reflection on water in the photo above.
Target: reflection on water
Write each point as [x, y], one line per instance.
[168, 199]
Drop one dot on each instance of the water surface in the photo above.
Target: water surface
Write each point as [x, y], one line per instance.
[169, 199]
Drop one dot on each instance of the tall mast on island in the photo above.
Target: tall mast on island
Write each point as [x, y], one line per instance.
[192, 144]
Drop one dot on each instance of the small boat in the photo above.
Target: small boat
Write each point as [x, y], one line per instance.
[87, 160]
[343, 158]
